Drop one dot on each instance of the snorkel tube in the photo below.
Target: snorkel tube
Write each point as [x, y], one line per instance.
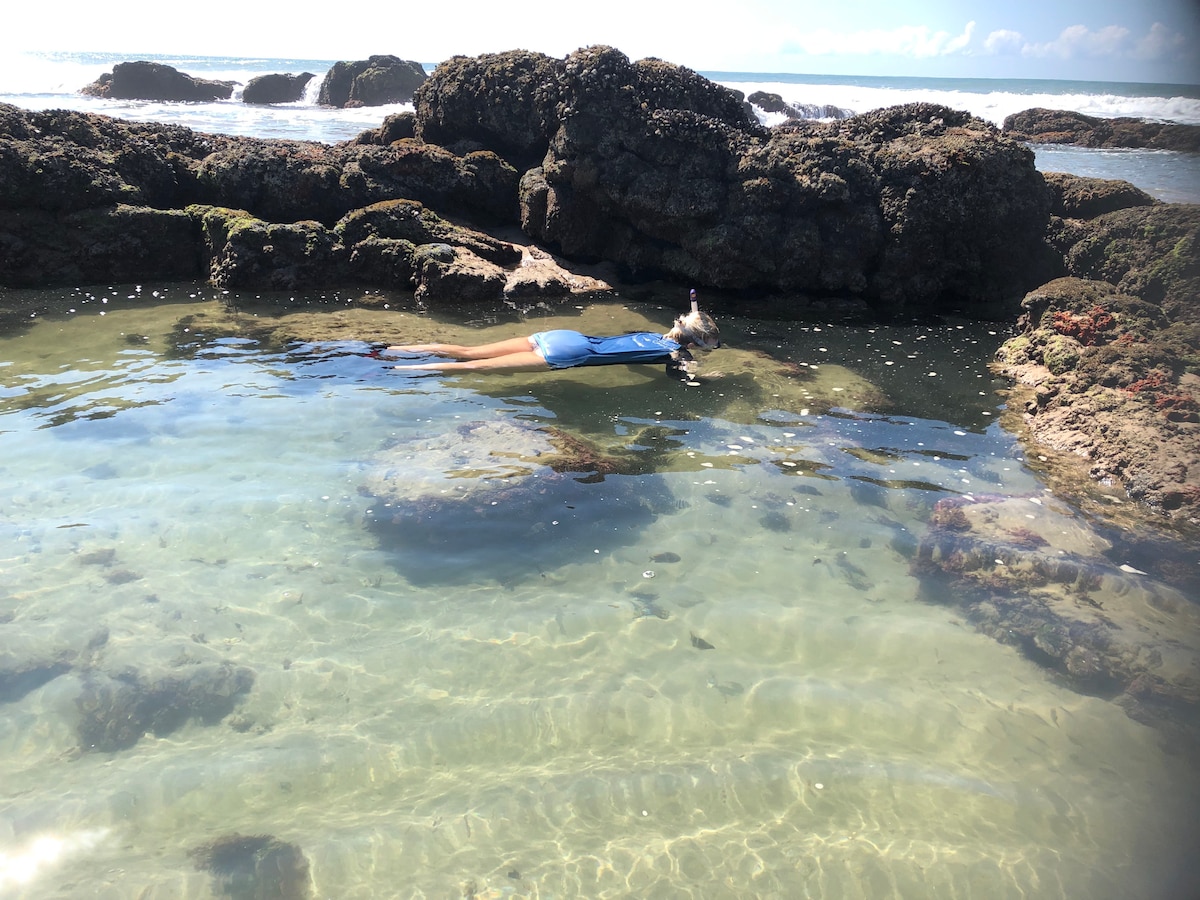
[695, 302]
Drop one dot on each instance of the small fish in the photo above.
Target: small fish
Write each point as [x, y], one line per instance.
[700, 643]
[667, 557]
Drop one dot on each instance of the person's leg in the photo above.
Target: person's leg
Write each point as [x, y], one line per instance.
[461, 351]
[521, 361]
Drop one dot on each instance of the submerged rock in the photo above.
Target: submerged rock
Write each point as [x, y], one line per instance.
[512, 497]
[20, 676]
[114, 713]
[1034, 575]
[254, 867]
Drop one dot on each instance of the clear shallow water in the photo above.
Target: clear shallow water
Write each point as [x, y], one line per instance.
[713, 678]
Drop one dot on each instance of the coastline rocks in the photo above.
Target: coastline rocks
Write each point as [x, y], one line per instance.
[646, 165]
[245, 252]
[1057, 126]
[395, 127]
[507, 102]
[653, 167]
[1076, 197]
[376, 81]
[1152, 252]
[276, 88]
[103, 244]
[1108, 377]
[395, 244]
[882, 208]
[286, 181]
[516, 102]
[411, 221]
[142, 80]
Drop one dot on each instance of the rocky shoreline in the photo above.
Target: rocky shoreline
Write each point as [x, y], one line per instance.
[516, 168]
[1057, 126]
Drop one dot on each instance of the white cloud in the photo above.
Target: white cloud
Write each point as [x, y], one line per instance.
[917, 41]
[1079, 40]
[1159, 43]
[1004, 41]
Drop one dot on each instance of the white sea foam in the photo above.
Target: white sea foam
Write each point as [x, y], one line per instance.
[992, 105]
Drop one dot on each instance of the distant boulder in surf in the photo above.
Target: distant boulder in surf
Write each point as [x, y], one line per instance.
[376, 81]
[774, 103]
[1060, 126]
[276, 88]
[142, 80]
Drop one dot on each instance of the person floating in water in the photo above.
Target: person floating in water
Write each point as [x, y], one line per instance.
[564, 349]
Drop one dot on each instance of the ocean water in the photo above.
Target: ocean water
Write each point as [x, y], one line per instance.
[52, 81]
[416, 661]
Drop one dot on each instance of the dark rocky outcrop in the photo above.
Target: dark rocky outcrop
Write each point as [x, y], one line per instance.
[644, 164]
[667, 175]
[395, 127]
[276, 88]
[1057, 126]
[774, 103]
[376, 81]
[142, 80]
[1076, 197]
[507, 102]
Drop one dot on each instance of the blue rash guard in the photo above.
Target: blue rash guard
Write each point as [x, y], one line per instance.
[564, 349]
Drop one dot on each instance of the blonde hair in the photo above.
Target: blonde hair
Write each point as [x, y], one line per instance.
[696, 328]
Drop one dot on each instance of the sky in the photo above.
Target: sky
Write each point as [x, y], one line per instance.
[1105, 40]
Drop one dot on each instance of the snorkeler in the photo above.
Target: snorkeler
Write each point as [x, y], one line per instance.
[564, 349]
